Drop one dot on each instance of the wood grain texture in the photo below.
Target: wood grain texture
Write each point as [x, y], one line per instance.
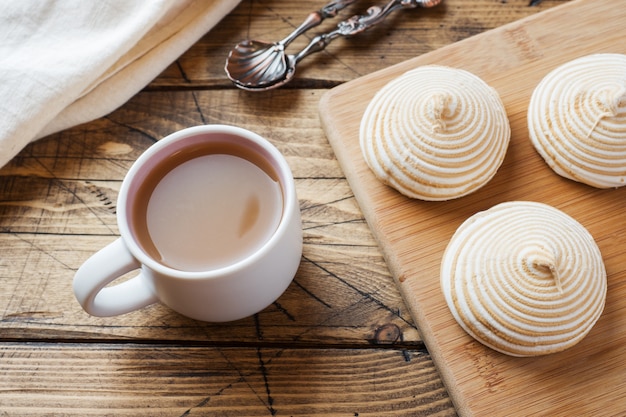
[413, 234]
[56, 212]
[339, 342]
[403, 35]
[157, 380]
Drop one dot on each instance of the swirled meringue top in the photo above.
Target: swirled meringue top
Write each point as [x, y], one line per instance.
[524, 278]
[577, 120]
[435, 133]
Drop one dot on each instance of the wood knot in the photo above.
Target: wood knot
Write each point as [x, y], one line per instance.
[388, 333]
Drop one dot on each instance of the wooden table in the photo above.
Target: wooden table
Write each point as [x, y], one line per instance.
[339, 342]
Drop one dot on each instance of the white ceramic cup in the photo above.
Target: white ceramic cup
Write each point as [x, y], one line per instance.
[226, 293]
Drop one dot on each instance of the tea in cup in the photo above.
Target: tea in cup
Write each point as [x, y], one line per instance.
[210, 218]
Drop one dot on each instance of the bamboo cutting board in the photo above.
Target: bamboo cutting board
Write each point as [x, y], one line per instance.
[586, 380]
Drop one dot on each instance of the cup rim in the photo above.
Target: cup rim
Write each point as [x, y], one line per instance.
[278, 162]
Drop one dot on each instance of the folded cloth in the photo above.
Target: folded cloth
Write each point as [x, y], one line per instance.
[66, 62]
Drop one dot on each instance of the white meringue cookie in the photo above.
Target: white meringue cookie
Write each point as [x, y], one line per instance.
[524, 278]
[435, 133]
[577, 120]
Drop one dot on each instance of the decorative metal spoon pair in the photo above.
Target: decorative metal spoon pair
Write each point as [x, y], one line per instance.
[258, 66]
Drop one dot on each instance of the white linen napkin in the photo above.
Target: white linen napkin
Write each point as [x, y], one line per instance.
[66, 62]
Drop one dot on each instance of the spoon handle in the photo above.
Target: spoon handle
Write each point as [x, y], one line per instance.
[359, 23]
[315, 18]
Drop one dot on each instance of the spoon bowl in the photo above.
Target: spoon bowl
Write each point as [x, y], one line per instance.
[256, 63]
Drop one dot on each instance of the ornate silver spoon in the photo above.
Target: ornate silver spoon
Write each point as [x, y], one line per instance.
[276, 68]
[250, 60]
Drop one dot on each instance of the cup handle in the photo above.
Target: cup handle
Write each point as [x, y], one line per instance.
[102, 268]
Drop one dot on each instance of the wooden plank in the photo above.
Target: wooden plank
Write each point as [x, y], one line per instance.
[58, 207]
[403, 35]
[413, 234]
[327, 303]
[161, 380]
